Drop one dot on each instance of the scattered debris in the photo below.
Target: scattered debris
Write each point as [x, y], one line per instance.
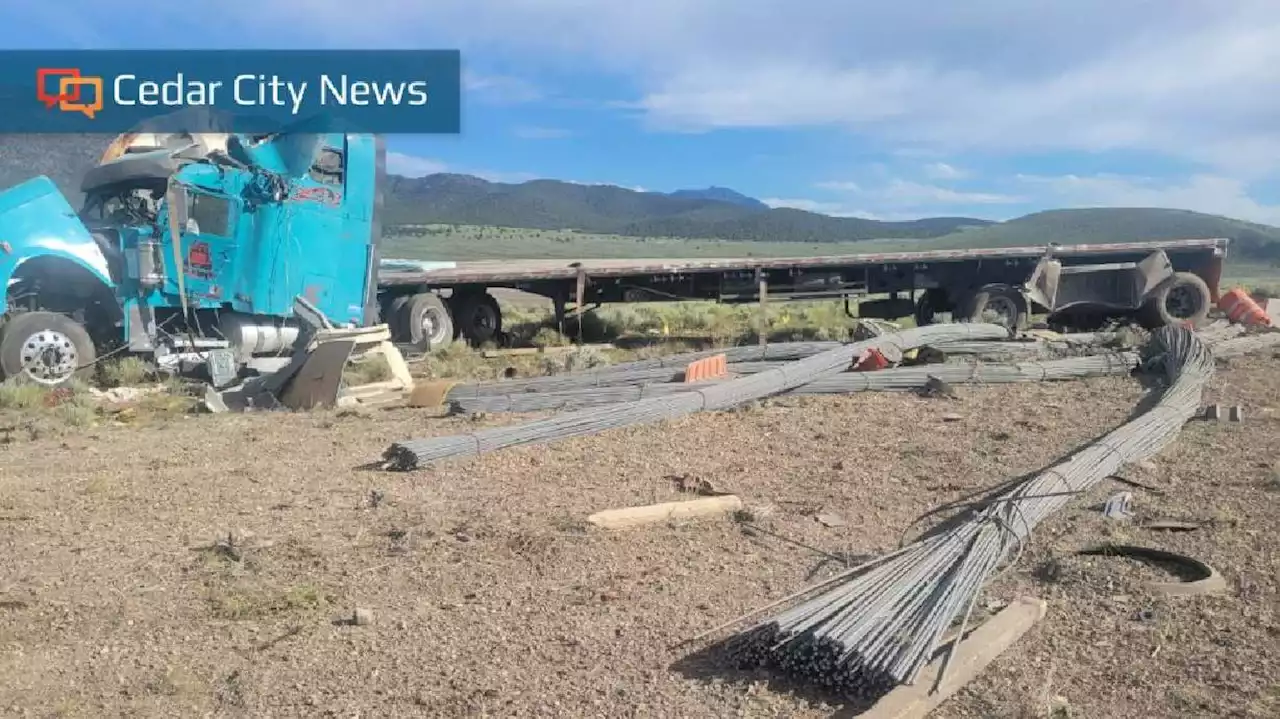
[689, 484]
[124, 395]
[1119, 506]
[314, 377]
[937, 387]
[1201, 577]
[1170, 525]
[1217, 413]
[831, 519]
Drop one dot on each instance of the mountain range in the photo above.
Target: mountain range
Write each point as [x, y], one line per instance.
[720, 213]
[710, 213]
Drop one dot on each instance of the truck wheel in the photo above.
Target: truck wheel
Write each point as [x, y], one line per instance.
[997, 304]
[478, 317]
[428, 320]
[1183, 298]
[45, 348]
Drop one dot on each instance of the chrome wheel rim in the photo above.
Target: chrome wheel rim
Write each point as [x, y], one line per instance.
[49, 357]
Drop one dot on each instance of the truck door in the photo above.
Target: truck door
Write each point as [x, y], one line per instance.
[330, 258]
[207, 249]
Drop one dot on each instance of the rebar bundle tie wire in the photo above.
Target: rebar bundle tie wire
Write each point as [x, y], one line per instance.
[877, 625]
[413, 454]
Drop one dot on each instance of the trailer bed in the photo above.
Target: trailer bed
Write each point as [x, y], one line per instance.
[510, 272]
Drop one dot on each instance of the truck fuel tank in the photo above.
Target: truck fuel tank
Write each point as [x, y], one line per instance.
[252, 335]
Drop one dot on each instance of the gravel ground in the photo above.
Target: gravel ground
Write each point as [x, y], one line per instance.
[207, 566]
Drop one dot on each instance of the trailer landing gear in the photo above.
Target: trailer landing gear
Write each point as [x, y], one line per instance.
[44, 348]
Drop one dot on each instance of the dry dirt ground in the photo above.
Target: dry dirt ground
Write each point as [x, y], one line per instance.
[488, 595]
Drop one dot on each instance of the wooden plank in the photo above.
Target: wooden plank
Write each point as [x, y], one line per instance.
[649, 514]
[975, 652]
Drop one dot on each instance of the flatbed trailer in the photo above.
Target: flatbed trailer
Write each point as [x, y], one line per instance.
[432, 306]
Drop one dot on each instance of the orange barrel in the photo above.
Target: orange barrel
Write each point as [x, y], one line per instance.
[1241, 308]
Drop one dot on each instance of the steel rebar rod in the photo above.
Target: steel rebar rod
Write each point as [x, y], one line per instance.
[901, 378]
[413, 454]
[878, 626]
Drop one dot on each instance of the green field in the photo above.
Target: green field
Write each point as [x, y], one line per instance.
[464, 242]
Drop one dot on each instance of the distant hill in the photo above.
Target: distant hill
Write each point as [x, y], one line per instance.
[1250, 241]
[713, 213]
[723, 194]
[554, 205]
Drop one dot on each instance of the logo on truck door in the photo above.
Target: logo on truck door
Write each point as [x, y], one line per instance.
[322, 195]
[199, 262]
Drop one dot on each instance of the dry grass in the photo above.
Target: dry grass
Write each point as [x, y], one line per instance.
[129, 595]
[490, 595]
[721, 324]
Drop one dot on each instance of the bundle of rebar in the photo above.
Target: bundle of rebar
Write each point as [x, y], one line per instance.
[723, 395]
[639, 371]
[876, 625]
[902, 378]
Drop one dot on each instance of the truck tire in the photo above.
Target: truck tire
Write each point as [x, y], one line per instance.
[997, 304]
[428, 320]
[396, 318]
[45, 348]
[1182, 298]
[478, 317]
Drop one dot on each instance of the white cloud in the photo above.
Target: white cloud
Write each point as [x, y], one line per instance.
[900, 194]
[504, 176]
[1203, 193]
[399, 163]
[835, 209]
[1192, 79]
[529, 132]
[943, 171]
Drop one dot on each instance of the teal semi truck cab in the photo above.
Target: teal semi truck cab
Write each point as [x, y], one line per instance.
[177, 251]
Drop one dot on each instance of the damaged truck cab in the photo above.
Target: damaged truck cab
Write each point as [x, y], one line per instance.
[186, 249]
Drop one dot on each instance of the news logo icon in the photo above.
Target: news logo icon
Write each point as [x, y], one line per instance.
[71, 86]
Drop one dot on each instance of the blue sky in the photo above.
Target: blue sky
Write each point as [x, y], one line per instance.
[892, 110]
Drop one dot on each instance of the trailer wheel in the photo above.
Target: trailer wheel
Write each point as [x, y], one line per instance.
[396, 318]
[45, 348]
[928, 305]
[428, 320]
[478, 317]
[1183, 298]
[997, 304]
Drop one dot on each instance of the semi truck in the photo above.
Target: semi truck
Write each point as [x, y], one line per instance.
[188, 244]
